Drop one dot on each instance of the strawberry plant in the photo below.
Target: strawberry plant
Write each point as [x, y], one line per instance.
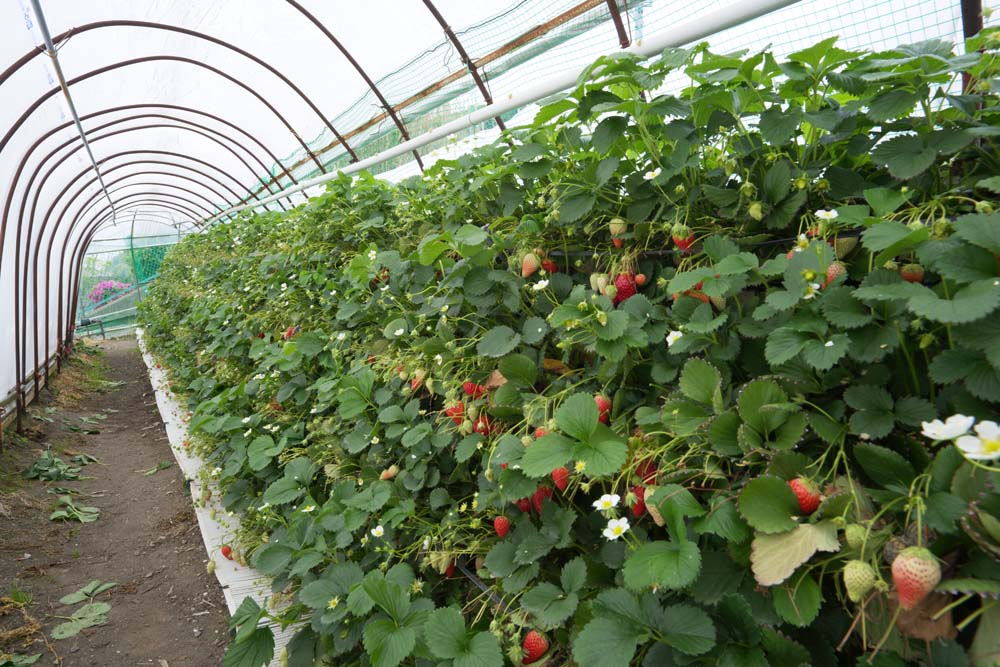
[453, 418]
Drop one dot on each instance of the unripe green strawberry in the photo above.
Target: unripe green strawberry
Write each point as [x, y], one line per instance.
[859, 578]
[844, 246]
[854, 535]
[756, 210]
[617, 227]
[915, 573]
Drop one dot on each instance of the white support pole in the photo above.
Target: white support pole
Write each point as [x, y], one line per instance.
[685, 33]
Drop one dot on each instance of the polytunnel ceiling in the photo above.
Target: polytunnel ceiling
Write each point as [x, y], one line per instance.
[191, 108]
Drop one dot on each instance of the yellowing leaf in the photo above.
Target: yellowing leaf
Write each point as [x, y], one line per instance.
[775, 557]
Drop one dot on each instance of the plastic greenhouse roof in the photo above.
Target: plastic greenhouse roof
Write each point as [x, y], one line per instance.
[193, 107]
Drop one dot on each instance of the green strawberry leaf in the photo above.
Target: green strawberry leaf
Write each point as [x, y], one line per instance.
[798, 600]
[577, 416]
[700, 381]
[769, 505]
[498, 341]
[606, 642]
[671, 565]
[688, 629]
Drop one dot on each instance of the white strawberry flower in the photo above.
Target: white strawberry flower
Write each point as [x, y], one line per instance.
[372, 255]
[802, 243]
[828, 343]
[378, 531]
[650, 175]
[341, 336]
[607, 502]
[308, 508]
[399, 332]
[616, 528]
[949, 429]
[540, 285]
[985, 445]
[823, 214]
[811, 290]
[673, 337]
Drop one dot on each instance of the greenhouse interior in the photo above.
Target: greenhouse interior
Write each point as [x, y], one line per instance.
[583, 333]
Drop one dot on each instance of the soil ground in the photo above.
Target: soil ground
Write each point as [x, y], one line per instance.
[166, 610]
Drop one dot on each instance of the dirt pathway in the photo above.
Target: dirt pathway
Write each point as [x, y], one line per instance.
[166, 610]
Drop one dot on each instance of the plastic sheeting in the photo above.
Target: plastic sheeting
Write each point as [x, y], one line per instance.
[191, 107]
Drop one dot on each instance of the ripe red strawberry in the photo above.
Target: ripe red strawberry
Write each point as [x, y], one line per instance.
[618, 242]
[483, 425]
[625, 286]
[561, 477]
[915, 572]
[524, 504]
[639, 508]
[289, 332]
[541, 494]
[603, 408]
[501, 524]
[646, 471]
[450, 572]
[701, 296]
[912, 273]
[550, 266]
[834, 271]
[474, 390]
[806, 493]
[640, 279]
[540, 431]
[456, 412]
[682, 237]
[227, 552]
[417, 379]
[534, 646]
[529, 265]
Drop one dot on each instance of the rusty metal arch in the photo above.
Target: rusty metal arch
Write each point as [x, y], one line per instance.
[466, 60]
[145, 59]
[49, 133]
[17, 251]
[61, 331]
[360, 70]
[177, 107]
[78, 30]
[90, 229]
[61, 337]
[153, 198]
[20, 304]
[65, 157]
